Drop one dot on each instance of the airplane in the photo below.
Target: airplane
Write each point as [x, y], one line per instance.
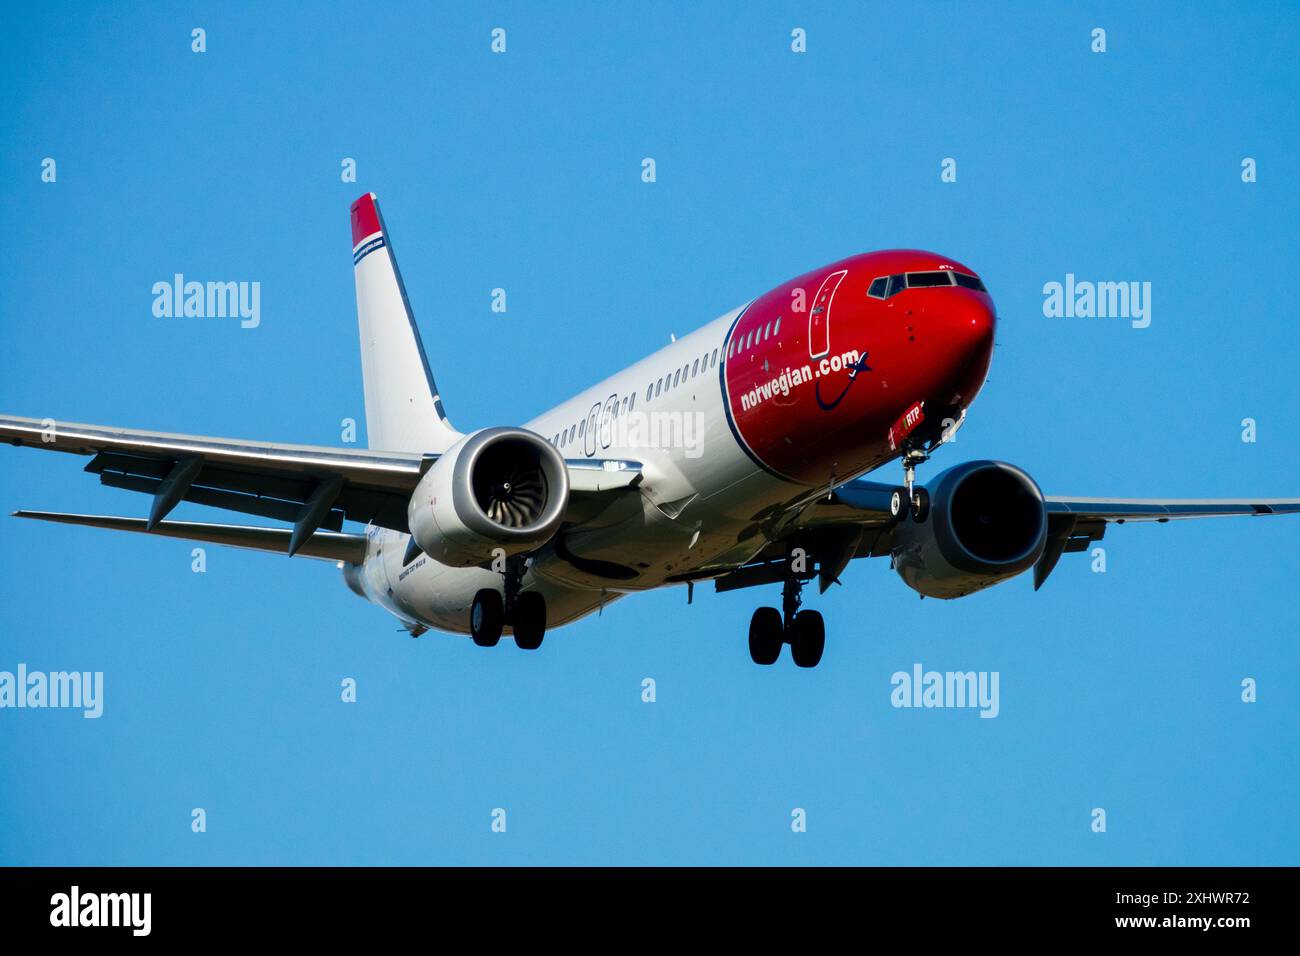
[735, 454]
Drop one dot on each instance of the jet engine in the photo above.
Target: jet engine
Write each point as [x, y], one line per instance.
[498, 488]
[987, 522]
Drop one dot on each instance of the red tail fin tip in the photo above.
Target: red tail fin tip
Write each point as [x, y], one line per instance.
[365, 218]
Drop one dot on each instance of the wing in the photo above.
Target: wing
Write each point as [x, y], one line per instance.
[1074, 523]
[313, 487]
[854, 522]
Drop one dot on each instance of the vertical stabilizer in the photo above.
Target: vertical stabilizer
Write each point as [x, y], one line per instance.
[403, 409]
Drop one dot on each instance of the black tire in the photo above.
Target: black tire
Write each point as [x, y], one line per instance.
[807, 638]
[766, 635]
[529, 620]
[921, 506]
[486, 617]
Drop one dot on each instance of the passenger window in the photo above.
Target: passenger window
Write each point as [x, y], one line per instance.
[878, 287]
[695, 368]
[776, 329]
[631, 401]
[715, 359]
[767, 331]
[659, 387]
[649, 390]
[677, 378]
[582, 427]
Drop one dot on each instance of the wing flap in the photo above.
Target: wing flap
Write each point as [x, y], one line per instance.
[326, 545]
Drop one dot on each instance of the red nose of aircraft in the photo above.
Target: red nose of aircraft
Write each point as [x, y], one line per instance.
[959, 332]
[972, 319]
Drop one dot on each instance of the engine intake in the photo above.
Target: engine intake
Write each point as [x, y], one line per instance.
[504, 488]
[987, 523]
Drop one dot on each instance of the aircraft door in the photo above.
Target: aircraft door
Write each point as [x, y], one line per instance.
[589, 431]
[819, 315]
[607, 421]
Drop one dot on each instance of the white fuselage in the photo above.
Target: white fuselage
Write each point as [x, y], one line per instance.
[699, 504]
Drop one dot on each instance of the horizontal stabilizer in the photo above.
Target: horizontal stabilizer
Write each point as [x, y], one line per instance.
[327, 545]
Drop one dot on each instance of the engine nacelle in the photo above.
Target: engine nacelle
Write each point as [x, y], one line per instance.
[987, 522]
[502, 488]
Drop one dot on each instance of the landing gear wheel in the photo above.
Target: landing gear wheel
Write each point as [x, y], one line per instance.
[807, 638]
[896, 501]
[529, 620]
[765, 635]
[486, 617]
[920, 505]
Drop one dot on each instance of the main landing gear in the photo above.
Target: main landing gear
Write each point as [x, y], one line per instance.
[804, 631]
[525, 613]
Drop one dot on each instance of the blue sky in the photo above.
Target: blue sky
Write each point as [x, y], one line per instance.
[522, 171]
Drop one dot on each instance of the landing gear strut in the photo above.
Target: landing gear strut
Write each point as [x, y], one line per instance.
[804, 631]
[524, 612]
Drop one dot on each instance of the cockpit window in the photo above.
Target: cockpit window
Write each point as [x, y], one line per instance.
[885, 287]
[925, 280]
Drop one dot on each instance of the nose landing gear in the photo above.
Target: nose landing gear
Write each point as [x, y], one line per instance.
[525, 613]
[909, 499]
[804, 631]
